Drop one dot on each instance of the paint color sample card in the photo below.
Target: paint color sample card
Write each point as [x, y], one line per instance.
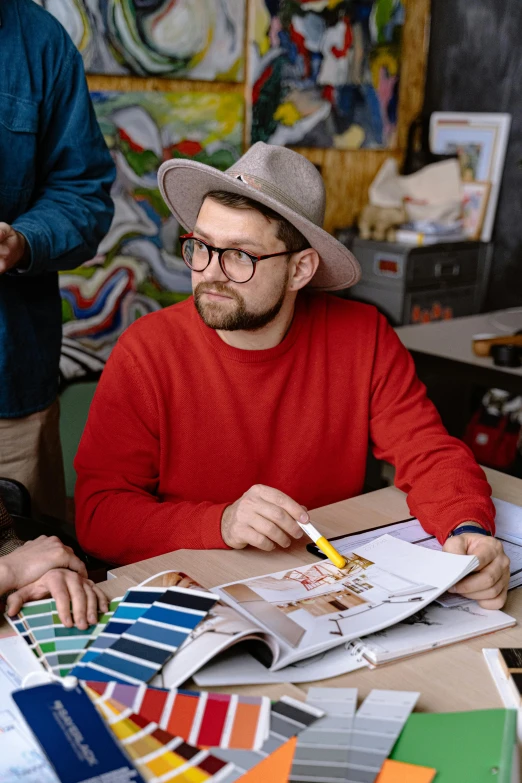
[288, 718]
[348, 746]
[133, 605]
[73, 736]
[139, 653]
[322, 750]
[399, 772]
[377, 726]
[56, 646]
[159, 755]
[203, 719]
[275, 768]
[478, 746]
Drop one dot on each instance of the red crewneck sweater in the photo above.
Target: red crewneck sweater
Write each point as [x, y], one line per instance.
[182, 424]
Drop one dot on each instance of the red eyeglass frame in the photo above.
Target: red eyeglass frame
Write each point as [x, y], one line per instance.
[220, 250]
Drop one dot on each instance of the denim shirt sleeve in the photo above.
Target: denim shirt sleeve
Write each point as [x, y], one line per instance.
[72, 209]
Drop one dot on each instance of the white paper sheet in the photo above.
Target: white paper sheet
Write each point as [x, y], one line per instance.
[501, 680]
[435, 626]
[18, 655]
[21, 758]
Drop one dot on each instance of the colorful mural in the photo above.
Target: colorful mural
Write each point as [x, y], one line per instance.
[138, 268]
[325, 73]
[191, 39]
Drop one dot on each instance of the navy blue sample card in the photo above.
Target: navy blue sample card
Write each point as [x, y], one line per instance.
[73, 735]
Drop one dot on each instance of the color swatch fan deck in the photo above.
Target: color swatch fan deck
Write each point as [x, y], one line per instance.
[200, 718]
[129, 644]
[197, 736]
[57, 647]
[159, 624]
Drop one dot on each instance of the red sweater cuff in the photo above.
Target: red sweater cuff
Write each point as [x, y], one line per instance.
[210, 522]
[479, 516]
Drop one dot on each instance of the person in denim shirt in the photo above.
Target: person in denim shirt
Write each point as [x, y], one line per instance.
[55, 207]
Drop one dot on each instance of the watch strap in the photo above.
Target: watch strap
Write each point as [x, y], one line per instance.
[469, 529]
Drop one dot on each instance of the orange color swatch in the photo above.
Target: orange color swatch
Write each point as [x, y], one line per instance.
[245, 728]
[399, 772]
[182, 718]
[276, 767]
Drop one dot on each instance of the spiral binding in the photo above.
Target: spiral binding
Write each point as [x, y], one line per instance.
[356, 649]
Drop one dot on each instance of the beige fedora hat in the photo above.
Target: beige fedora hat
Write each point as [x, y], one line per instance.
[277, 177]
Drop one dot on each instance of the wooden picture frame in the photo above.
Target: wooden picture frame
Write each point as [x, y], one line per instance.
[475, 197]
[480, 138]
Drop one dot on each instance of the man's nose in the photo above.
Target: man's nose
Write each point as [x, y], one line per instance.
[213, 272]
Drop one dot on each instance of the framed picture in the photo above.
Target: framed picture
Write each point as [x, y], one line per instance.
[474, 147]
[480, 141]
[474, 205]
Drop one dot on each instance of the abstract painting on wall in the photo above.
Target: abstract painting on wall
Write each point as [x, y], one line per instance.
[190, 39]
[138, 268]
[325, 73]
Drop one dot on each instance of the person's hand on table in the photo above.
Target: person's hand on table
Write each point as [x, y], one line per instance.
[489, 583]
[32, 560]
[263, 517]
[66, 587]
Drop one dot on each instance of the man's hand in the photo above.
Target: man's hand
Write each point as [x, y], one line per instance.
[32, 560]
[13, 247]
[489, 584]
[65, 587]
[262, 517]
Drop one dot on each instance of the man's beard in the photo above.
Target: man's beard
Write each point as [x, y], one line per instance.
[239, 319]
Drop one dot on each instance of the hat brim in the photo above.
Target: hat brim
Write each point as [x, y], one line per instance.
[185, 183]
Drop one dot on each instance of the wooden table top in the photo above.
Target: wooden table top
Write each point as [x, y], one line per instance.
[449, 679]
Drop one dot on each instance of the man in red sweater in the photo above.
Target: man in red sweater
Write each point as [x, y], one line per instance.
[219, 421]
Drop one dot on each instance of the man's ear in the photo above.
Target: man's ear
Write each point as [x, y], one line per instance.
[303, 266]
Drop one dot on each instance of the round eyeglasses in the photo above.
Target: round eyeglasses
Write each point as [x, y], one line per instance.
[238, 265]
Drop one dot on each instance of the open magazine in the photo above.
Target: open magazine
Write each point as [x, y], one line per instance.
[292, 615]
[430, 628]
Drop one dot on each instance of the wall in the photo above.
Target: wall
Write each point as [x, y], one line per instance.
[474, 65]
[347, 174]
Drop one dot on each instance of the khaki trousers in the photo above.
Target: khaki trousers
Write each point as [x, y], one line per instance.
[31, 452]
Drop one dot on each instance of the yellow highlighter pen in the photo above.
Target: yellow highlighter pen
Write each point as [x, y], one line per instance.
[323, 544]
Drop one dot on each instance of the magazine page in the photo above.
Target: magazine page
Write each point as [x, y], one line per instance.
[315, 607]
[432, 627]
[508, 526]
